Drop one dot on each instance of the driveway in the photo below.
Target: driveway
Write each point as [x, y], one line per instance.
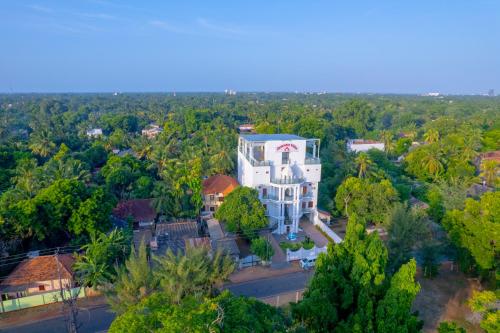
[313, 233]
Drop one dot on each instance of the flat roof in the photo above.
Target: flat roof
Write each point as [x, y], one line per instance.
[271, 137]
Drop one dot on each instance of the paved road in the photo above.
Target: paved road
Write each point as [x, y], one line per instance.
[94, 320]
[99, 319]
[272, 286]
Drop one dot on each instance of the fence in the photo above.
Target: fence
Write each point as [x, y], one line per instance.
[283, 298]
[249, 261]
[303, 253]
[36, 300]
[323, 227]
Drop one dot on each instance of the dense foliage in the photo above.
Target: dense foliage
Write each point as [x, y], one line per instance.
[58, 186]
[351, 292]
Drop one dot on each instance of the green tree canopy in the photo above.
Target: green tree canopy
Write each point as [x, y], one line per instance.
[367, 199]
[242, 211]
[475, 229]
[349, 291]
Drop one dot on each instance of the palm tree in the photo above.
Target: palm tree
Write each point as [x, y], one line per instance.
[27, 177]
[388, 143]
[432, 163]
[41, 143]
[411, 131]
[431, 136]
[134, 281]
[222, 162]
[489, 171]
[195, 273]
[142, 147]
[363, 161]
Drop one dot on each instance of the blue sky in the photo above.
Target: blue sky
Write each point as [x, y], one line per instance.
[339, 46]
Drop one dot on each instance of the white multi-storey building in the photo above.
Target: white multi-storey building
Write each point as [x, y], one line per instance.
[286, 170]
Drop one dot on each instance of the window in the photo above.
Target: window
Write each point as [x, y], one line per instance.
[212, 197]
[285, 157]
[310, 204]
[41, 287]
[221, 199]
[303, 205]
[264, 192]
[212, 208]
[304, 190]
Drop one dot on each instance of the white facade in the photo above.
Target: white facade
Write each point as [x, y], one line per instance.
[286, 170]
[360, 145]
[94, 133]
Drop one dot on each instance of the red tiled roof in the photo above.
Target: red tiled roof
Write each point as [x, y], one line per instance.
[491, 155]
[138, 209]
[43, 268]
[219, 184]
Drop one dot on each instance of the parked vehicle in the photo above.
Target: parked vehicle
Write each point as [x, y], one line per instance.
[307, 263]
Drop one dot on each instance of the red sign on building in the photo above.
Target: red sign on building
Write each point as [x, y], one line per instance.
[287, 147]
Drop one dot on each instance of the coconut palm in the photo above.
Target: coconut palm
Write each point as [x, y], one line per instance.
[41, 143]
[222, 162]
[388, 143]
[489, 171]
[431, 136]
[432, 163]
[142, 147]
[364, 162]
[195, 273]
[411, 131]
[134, 281]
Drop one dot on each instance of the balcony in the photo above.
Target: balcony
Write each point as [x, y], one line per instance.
[312, 160]
[306, 195]
[269, 197]
[285, 181]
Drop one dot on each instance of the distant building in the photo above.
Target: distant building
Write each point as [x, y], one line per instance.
[230, 92]
[491, 92]
[94, 133]
[151, 131]
[38, 275]
[490, 156]
[246, 129]
[361, 145]
[215, 188]
[285, 169]
[141, 212]
[433, 94]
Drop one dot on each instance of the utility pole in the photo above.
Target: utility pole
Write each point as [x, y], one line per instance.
[70, 302]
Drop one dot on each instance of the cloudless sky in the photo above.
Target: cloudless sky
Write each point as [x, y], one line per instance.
[381, 46]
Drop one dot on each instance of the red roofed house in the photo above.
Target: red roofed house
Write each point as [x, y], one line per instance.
[215, 188]
[491, 156]
[141, 211]
[38, 275]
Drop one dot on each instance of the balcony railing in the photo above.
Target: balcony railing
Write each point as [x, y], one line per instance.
[307, 195]
[312, 160]
[270, 197]
[254, 162]
[287, 181]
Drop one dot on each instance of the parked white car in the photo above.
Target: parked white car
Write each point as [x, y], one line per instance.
[307, 263]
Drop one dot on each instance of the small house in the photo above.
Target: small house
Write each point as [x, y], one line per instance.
[94, 133]
[361, 145]
[38, 275]
[140, 211]
[215, 188]
[151, 131]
